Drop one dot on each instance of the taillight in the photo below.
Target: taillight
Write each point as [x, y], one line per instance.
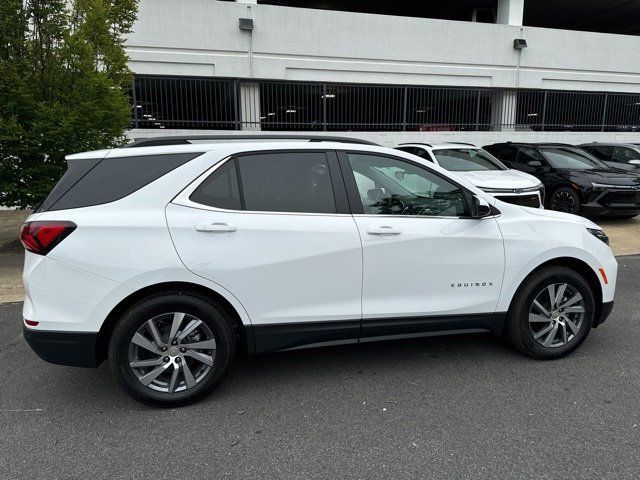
[41, 237]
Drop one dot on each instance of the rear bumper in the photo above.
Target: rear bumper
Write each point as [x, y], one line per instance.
[604, 313]
[75, 349]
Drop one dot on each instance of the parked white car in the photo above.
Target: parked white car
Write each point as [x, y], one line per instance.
[483, 170]
[166, 260]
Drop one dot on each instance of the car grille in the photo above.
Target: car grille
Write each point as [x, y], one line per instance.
[626, 198]
[531, 200]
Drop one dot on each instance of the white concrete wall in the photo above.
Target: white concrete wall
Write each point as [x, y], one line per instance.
[391, 139]
[201, 37]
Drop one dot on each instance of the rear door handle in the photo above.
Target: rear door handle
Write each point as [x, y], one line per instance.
[383, 231]
[216, 227]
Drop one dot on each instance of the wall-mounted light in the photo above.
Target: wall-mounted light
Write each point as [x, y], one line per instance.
[519, 43]
[245, 24]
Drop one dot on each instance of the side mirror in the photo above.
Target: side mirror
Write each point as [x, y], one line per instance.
[375, 194]
[480, 208]
[634, 162]
[535, 163]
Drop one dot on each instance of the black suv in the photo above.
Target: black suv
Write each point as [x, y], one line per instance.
[625, 156]
[575, 181]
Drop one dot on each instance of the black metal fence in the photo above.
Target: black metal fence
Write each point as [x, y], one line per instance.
[234, 104]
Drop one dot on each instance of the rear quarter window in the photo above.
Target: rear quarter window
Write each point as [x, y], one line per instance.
[109, 179]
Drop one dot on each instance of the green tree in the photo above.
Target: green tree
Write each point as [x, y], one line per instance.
[63, 88]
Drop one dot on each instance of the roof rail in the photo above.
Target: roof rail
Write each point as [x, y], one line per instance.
[415, 143]
[186, 139]
[461, 143]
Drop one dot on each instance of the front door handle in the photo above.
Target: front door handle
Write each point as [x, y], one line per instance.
[216, 227]
[385, 230]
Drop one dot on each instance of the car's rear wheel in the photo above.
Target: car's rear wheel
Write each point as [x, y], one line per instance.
[171, 349]
[551, 313]
[565, 200]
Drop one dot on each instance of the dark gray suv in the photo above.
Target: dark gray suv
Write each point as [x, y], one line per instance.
[625, 156]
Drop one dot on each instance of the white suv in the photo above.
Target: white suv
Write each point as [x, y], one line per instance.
[483, 170]
[166, 260]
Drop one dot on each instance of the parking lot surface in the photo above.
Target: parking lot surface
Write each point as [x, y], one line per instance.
[448, 407]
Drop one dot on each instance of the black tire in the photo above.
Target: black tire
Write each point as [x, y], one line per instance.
[566, 200]
[518, 330]
[215, 319]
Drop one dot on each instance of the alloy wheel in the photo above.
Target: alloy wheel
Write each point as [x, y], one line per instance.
[563, 202]
[556, 315]
[172, 352]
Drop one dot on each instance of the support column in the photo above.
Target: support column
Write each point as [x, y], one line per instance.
[250, 106]
[503, 110]
[510, 12]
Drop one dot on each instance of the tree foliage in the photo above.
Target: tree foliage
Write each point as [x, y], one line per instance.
[63, 88]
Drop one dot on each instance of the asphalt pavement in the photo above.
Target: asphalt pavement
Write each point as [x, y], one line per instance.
[457, 407]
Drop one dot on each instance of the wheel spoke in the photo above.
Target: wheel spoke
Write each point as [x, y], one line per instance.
[141, 341]
[560, 294]
[188, 376]
[193, 324]
[564, 333]
[574, 328]
[551, 337]
[206, 345]
[534, 318]
[543, 331]
[174, 379]
[154, 332]
[574, 309]
[551, 289]
[153, 374]
[201, 357]
[543, 310]
[175, 325]
[576, 298]
[146, 363]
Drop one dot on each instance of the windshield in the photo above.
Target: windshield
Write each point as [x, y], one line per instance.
[467, 160]
[571, 159]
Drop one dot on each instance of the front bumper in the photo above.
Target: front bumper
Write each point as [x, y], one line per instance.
[75, 349]
[613, 202]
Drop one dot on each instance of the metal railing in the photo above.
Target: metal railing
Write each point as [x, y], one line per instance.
[236, 104]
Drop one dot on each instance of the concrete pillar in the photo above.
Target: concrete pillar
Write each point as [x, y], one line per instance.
[510, 12]
[503, 110]
[250, 106]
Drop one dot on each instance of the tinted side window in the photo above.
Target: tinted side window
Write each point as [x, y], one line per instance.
[421, 152]
[526, 155]
[508, 153]
[115, 178]
[287, 182]
[76, 169]
[411, 150]
[220, 189]
[624, 154]
[390, 186]
[600, 152]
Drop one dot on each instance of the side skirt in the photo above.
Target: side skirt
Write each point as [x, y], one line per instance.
[289, 336]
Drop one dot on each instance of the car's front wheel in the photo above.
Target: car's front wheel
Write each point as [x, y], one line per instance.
[551, 313]
[170, 350]
[565, 200]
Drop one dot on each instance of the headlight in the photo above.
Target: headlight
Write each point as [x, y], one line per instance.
[605, 185]
[599, 234]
